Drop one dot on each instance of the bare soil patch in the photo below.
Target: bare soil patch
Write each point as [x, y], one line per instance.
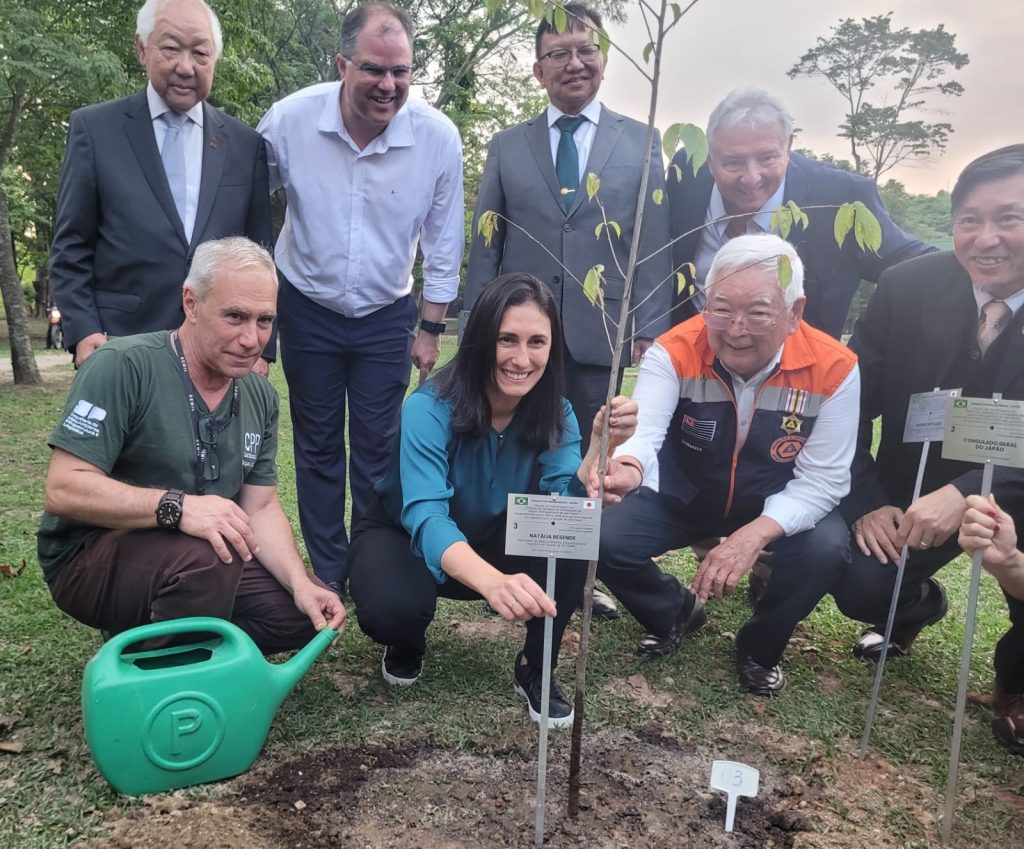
[641, 789]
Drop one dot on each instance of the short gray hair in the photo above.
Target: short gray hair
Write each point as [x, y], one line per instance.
[758, 250]
[750, 109]
[146, 22]
[236, 252]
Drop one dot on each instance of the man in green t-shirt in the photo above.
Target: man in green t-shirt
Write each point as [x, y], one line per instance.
[161, 497]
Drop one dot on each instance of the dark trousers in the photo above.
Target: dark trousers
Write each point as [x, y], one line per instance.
[341, 368]
[395, 595]
[805, 568]
[866, 592]
[866, 589]
[586, 387]
[125, 578]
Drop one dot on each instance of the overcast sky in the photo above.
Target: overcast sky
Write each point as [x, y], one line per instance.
[725, 44]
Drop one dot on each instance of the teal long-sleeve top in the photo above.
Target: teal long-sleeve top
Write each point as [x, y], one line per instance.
[444, 488]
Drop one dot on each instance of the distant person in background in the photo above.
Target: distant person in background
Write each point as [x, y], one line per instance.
[750, 172]
[987, 527]
[491, 422]
[146, 180]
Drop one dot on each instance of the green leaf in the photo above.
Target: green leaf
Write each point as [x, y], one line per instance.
[676, 11]
[539, 9]
[559, 19]
[593, 184]
[598, 229]
[658, 195]
[648, 50]
[604, 41]
[696, 144]
[670, 140]
[781, 221]
[785, 271]
[866, 228]
[615, 226]
[593, 286]
[678, 171]
[799, 216]
[492, 7]
[843, 223]
[486, 225]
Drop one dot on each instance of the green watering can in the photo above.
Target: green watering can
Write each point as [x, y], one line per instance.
[188, 714]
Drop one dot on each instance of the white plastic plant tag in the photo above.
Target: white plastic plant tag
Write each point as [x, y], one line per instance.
[733, 779]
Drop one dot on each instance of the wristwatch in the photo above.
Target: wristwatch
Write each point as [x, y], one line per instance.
[168, 511]
[435, 327]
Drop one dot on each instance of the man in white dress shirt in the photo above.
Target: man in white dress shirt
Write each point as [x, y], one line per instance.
[369, 177]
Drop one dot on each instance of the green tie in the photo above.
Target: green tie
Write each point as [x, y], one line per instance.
[567, 159]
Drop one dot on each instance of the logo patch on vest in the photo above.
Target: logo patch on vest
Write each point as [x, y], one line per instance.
[698, 429]
[785, 448]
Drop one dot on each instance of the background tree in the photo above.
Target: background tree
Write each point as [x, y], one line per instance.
[49, 59]
[899, 70]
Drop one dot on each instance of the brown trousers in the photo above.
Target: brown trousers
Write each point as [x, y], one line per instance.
[125, 578]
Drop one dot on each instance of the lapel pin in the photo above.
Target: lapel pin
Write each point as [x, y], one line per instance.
[213, 142]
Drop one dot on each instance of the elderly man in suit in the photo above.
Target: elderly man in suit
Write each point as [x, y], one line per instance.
[952, 320]
[750, 172]
[522, 183]
[146, 180]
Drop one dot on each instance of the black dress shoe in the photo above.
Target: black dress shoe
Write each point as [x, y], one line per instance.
[691, 617]
[760, 680]
[1008, 720]
[603, 608]
[869, 646]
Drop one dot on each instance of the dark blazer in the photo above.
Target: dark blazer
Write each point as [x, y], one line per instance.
[519, 182]
[119, 254]
[920, 331]
[831, 274]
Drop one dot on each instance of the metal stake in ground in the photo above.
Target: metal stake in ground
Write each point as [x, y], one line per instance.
[925, 418]
[989, 431]
[965, 670]
[545, 708]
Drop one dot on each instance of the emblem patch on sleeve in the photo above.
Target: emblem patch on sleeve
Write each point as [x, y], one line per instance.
[85, 419]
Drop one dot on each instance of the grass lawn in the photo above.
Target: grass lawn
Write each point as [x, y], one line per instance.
[51, 795]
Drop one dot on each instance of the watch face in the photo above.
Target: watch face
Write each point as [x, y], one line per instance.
[168, 514]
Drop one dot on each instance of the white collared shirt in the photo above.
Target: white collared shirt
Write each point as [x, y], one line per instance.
[1014, 302]
[584, 135]
[355, 217]
[712, 236]
[192, 144]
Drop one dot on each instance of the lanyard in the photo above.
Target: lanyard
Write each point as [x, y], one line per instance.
[217, 427]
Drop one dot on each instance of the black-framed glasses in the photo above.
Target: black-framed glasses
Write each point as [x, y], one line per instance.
[562, 55]
[208, 428]
[755, 325]
[399, 73]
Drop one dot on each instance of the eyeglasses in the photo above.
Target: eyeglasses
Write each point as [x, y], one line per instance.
[208, 429]
[562, 55]
[753, 324]
[399, 73]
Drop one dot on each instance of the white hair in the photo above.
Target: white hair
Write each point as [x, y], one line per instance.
[750, 109]
[145, 23]
[237, 252]
[759, 250]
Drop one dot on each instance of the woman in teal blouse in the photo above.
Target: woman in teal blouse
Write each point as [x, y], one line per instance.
[491, 422]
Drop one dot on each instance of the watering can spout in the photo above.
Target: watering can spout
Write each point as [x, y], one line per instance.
[284, 676]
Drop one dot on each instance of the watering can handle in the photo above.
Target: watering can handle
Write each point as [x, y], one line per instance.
[187, 625]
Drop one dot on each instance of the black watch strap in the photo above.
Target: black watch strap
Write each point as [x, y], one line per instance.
[168, 510]
[435, 327]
